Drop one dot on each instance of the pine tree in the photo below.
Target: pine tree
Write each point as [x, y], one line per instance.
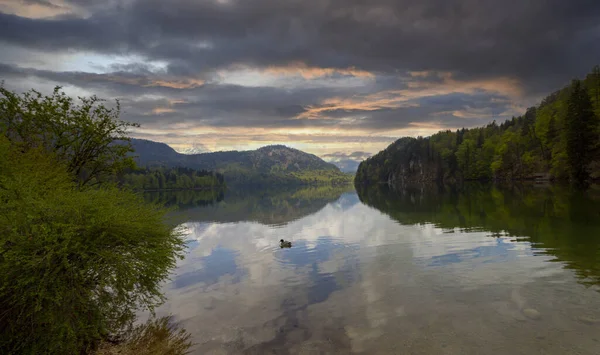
[581, 133]
[596, 76]
[596, 88]
[480, 139]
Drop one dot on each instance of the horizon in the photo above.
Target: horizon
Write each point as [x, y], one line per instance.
[340, 80]
[344, 165]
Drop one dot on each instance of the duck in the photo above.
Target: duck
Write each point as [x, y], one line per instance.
[285, 244]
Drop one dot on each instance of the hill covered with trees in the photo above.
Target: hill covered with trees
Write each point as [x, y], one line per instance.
[558, 139]
[266, 166]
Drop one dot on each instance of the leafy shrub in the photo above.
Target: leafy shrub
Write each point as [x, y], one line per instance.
[78, 256]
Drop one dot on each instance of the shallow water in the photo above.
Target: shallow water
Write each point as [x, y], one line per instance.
[476, 270]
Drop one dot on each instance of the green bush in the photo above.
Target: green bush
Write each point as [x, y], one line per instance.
[78, 256]
[74, 264]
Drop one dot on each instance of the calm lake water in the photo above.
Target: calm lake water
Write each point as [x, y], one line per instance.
[475, 270]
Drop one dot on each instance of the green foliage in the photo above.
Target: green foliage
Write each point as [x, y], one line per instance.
[171, 179]
[319, 177]
[581, 133]
[78, 255]
[537, 142]
[185, 198]
[237, 178]
[82, 135]
[466, 157]
[74, 264]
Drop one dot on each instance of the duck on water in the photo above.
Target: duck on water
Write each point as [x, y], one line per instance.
[285, 244]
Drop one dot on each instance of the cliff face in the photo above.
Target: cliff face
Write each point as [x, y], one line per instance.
[406, 161]
[413, 171]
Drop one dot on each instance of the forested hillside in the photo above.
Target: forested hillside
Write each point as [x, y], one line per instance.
[559, 139]
[266, 166]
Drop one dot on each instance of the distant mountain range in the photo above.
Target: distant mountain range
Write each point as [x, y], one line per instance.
[347, 165]
[274, 164]
[193, 150]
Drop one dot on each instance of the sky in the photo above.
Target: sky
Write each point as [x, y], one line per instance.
[338, 78]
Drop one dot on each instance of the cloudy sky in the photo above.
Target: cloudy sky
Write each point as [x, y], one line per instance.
[338, 78]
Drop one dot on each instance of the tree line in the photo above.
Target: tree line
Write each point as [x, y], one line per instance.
[559, 138]
[179, 178]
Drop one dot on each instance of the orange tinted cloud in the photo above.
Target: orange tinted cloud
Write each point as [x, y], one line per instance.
[177, 83]
[299, 68]
[161, 110]
[420, 74]
[478, 113]
[504, 86]
[416, 90]
[377, 101]
[39, 9]
[173, 83]
[169, 108]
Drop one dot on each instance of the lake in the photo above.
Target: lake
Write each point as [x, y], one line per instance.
[423, 270]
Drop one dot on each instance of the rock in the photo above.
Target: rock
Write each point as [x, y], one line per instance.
[531, 313]
[588, 320]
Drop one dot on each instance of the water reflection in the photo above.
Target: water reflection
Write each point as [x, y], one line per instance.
[420, 271]
[218, 263]
[561, 223]
[184, 199]
[276, 206]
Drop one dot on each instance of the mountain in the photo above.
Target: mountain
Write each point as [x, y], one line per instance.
[274, 164]
[347, 165]
[150, 153]
[558, 139]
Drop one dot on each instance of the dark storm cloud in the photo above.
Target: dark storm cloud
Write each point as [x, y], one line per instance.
[226, 105]
[335, 73]
[542, 42]
[268, 112]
